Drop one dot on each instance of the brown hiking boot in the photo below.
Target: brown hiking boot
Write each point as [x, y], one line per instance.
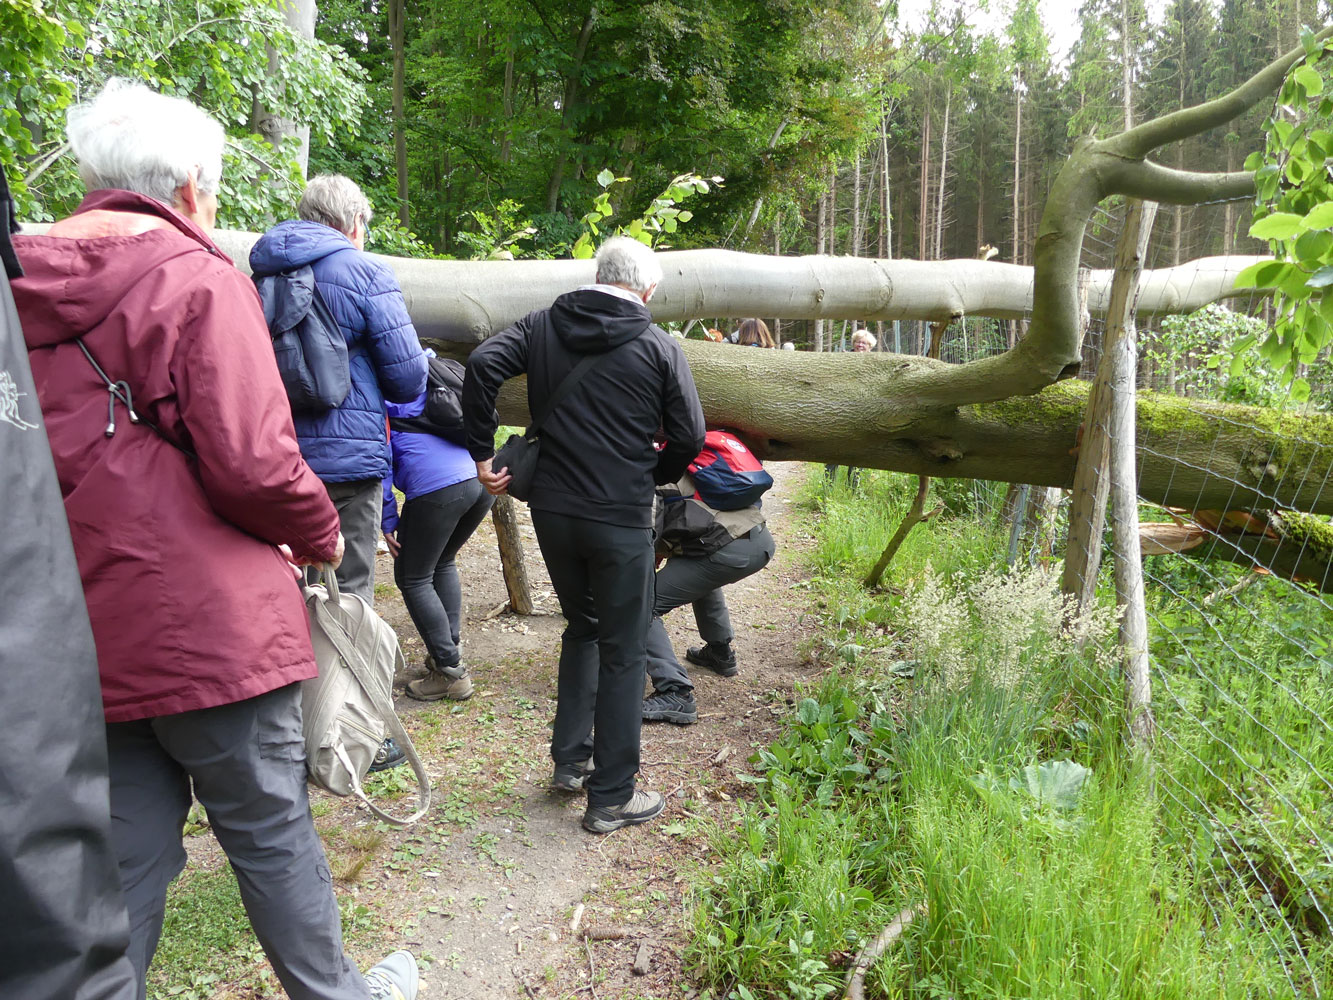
[437, 686]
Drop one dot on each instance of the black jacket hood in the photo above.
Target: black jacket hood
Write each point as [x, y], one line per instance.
[589, 321]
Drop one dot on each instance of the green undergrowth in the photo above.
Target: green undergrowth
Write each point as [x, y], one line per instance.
[963, 762]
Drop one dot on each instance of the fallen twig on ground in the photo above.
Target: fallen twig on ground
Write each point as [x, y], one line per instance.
[871, 952]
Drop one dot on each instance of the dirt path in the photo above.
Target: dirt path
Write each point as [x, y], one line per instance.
[485, 887]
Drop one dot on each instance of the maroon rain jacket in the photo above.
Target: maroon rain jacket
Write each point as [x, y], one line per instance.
[192, 604]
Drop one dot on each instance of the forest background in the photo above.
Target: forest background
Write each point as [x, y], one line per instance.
[849, 127]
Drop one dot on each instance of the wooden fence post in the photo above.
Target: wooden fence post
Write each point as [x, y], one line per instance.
[1107, 466]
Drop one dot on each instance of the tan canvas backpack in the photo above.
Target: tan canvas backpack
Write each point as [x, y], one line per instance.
[348, 709]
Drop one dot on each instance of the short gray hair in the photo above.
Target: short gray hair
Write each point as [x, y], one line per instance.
[336, 201]
[623, 260]
[866, 335]
[134, 139]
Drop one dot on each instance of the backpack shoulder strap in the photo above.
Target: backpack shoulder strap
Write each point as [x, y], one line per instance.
[566, 386]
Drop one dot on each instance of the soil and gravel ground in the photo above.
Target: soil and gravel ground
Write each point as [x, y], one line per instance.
[486, 886]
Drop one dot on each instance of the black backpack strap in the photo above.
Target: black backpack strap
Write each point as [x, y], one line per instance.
[566, 386]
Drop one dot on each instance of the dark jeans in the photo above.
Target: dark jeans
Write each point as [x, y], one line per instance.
[431, 530]
[603, 576]
[358, 504]
[246, 762]
[700, 582]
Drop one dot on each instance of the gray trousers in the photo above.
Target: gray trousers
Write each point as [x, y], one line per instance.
[700, 582]
[603, 576]
[246, 762]
[359, 505]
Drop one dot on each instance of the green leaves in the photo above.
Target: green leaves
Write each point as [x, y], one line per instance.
[214, 52]
[1295, 213]
[1278, 226]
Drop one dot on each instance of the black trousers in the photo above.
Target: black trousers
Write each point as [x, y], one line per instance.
[603, 576]
[431, 530]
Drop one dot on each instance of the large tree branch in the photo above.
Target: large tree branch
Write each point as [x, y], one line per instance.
[1096, 170]
[1145, 179]
[1141, 140]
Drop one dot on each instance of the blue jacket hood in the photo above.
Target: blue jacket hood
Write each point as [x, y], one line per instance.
[293, 244]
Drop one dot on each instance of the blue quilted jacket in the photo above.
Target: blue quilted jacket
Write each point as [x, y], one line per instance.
[349, 443]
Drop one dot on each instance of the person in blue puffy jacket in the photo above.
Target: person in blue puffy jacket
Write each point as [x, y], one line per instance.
[348, 446]
[445, 503]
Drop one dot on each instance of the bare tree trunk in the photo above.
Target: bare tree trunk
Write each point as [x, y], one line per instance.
[1018, 143]
[923, 203]
[854, 245]
[300, 17]
[571, 96]
[398, 42]
[507, 100]
[886, 223]
[777, 252]
[944, 172]
[1127, 66]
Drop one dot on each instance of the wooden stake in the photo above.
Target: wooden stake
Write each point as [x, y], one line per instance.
[1121, 357]
[505, 519]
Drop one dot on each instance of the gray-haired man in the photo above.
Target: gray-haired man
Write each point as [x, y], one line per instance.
[592, 503]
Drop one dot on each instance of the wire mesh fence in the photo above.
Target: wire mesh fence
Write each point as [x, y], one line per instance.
[1237, 562]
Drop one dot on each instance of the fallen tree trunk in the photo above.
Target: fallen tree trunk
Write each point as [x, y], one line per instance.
[467, 301]
[1286, 544]
[855, 409]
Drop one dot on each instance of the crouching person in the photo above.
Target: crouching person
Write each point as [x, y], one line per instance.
[183, 485]
[706, 550]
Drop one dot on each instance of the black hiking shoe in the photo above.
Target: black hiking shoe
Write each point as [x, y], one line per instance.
[390, 754]
[570, 777]
[716, 656]
[642, 807]
[670, 706]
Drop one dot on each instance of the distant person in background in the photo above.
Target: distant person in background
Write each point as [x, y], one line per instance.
[863, 341]
[715, 335]
[754, 333]
[445, 503]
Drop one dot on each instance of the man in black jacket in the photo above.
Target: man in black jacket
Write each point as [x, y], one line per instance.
[592, 503]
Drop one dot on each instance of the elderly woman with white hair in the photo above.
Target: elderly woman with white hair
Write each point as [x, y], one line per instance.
[187, 497]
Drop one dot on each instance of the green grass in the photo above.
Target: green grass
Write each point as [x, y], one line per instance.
[922, 772]
[207, 944]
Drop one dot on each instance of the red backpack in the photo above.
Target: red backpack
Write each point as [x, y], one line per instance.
[726, 474]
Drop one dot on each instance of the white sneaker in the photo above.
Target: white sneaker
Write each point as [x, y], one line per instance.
[395, 978]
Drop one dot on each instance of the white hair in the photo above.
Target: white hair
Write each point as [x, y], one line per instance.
[335, 201]
[132, 138]
[865, 335]
[623, 260]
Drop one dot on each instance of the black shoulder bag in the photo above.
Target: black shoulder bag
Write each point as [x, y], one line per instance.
[519, 453]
